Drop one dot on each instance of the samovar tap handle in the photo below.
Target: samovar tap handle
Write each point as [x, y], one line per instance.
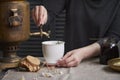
[41, 32]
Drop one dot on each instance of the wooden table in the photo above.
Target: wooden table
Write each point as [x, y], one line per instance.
[87, 70]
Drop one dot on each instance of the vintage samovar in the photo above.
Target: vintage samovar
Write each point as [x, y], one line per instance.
[14, 29]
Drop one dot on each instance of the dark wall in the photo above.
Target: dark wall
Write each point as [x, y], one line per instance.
[33, 45]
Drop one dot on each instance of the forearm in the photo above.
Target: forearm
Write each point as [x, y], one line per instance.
[91, 50]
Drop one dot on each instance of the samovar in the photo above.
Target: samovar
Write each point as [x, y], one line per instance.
[14, 29]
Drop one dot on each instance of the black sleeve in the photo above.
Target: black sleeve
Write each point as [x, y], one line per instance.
[54, 7]
[113, 31]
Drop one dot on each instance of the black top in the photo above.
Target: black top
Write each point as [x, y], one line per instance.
[86, 20]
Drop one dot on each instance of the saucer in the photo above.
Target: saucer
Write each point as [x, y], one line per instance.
[114, 64]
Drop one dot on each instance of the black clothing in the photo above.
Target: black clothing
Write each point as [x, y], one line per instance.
[86, 20]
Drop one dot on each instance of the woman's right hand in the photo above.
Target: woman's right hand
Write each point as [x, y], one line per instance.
[39, 15]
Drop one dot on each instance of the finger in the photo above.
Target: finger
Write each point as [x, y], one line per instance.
[65, 62]
[67, 55]
[36, 14]
[61, 62]
[44, 17]
[62, 65]
[72, 64]
[40, 15]
[69, 59]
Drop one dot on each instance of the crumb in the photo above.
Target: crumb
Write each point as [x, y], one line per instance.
[60, 72]
[47, 75]
[23, 78]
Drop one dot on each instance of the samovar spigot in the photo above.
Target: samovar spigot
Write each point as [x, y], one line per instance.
[41, 33]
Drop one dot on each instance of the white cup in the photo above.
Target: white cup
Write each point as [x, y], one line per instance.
[53, 51]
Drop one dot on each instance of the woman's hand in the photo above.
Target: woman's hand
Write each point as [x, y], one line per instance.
[39, 15]
[71, 59]
[74, 57]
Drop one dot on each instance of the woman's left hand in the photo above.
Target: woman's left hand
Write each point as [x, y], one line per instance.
[71, 59]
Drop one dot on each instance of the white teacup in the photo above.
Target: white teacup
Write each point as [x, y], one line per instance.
[53, 51]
